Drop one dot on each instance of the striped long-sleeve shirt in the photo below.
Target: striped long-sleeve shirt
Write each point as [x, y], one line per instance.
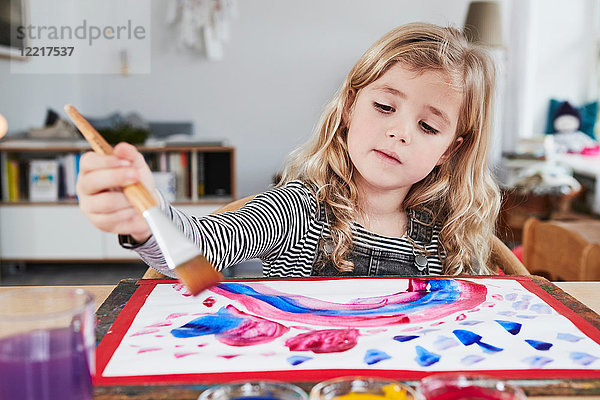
[285, 228]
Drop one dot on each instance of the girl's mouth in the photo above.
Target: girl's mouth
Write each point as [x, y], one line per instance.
[388, 156]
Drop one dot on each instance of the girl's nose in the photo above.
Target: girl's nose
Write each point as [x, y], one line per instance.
[399, 135]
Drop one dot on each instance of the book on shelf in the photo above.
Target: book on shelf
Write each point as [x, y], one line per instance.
[43, 180]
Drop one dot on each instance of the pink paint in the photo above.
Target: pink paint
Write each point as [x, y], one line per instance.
[181, 355]
[498, 297]
[471, 295]
[412, 328]
[324, 341]
[438, 323]
[148, 349]
[461, 317]
[474, 310]
[209, 302]
[159, 324]
[176, 315]
[253, 330]
[229, 356]
[302, 328]
[202, 344]
[145, 332]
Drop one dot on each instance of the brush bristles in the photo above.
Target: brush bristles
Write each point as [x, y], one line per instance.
[198, 274]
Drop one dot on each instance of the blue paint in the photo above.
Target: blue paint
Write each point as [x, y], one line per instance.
[526, 316]
[537, 361]
[507, 313]
[472, 359]
[296, 360]
[521, 305]
[538, 344]
[568, 337]
[426, 358]
[511, 327]
[511, 297]
[470, 323]
[373, 356]
[444, 342]
[216, 323]
[468, 338]
[442, 291]
[541, 308]
[582, 358]
[405, 338]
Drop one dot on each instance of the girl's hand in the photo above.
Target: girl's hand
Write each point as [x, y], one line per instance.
[99, 189]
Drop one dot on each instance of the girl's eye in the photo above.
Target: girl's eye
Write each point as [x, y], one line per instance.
[427, 129]
[384, 108]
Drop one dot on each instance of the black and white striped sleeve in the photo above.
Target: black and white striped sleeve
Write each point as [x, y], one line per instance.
[264, 228]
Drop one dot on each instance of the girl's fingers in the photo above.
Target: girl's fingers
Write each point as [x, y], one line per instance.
[106, 202]
[126, 221]
[99, 180]
[91, 161]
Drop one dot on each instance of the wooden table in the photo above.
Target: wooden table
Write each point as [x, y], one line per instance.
[587, 293]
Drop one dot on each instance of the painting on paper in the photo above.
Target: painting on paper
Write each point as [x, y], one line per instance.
[407, 327]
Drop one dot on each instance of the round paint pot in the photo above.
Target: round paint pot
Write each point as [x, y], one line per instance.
[254, 391]
[454, 386]
[362, 388]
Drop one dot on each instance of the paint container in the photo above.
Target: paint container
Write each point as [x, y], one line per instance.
[47, 344]
[362, 388]
[254, 391]
[455, 386]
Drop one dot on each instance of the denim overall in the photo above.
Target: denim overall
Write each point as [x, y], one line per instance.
[373, 261]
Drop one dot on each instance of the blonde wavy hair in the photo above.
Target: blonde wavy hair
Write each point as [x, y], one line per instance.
[461, 192]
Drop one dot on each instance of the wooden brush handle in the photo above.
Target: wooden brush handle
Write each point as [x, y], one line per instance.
[136, 193]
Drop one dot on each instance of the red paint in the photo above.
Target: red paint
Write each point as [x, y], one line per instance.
[324, 341]
[468, 393]
[209, 302]
[461, 317]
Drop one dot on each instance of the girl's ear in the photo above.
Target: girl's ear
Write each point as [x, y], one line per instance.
[451, 150]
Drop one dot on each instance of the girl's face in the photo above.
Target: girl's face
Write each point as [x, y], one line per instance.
[401, 126]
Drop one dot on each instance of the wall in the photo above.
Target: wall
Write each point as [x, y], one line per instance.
[284, 62]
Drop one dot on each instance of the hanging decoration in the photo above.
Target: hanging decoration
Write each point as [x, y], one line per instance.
[202, 26]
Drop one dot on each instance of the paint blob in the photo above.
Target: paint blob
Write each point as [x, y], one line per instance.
[324, 341]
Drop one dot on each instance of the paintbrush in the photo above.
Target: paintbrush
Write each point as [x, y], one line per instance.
[182, 256]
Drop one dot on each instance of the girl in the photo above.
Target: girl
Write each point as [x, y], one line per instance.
[393, 182]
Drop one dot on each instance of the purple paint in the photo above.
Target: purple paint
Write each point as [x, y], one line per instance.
[59, 370]
[324, 341]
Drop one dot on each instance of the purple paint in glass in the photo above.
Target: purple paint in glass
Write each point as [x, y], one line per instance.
[56, 367]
